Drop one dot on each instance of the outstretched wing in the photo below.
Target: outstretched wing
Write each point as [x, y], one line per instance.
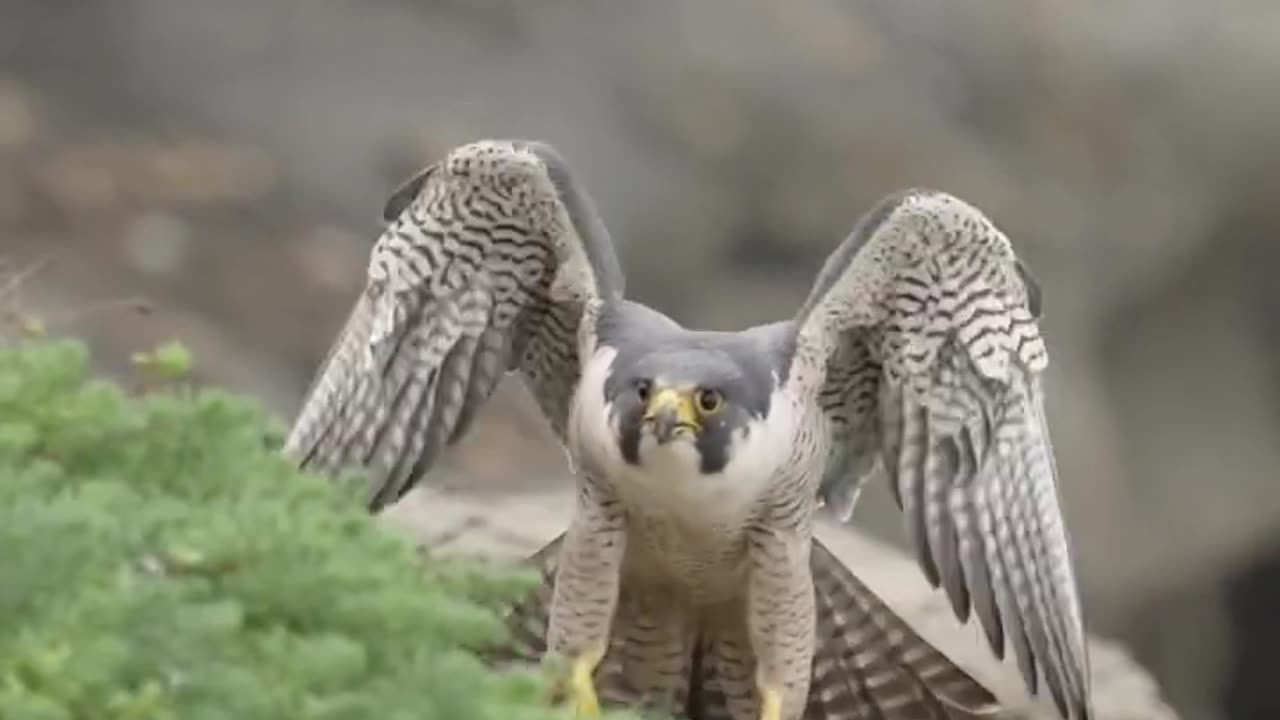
[920, 341]
[490, 260]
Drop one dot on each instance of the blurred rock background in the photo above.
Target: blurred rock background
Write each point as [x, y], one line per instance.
[228, 161]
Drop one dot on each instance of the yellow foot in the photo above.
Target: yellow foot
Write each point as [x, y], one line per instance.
[770, 704]
[582, 692]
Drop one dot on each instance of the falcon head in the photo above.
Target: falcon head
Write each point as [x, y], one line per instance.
[703, 404]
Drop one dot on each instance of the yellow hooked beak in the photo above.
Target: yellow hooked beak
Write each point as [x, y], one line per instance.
[670, 411]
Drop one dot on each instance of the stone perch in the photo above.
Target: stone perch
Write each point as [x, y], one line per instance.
[513, 525]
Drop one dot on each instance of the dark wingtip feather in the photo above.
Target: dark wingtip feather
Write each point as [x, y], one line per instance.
[1057, 691]
[912, 472]
[1034, 294]
[945, 540]
[957, 592]
[984, 600]
[404, 195]
[1016, 619]
[1026, 660]
[920, 541]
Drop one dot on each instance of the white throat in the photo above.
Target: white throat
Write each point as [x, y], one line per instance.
[668, 478]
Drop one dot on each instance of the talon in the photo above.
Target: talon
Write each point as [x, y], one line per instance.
[770, 704]
[582, 692]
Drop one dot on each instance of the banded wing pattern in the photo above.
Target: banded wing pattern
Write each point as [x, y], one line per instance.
[922, 335]
[489, 262]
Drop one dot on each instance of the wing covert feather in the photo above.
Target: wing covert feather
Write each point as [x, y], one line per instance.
[920, 340]
[490, 261]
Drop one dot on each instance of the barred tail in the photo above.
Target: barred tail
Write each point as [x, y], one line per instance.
[870, 664]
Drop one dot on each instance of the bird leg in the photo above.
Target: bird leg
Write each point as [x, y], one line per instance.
[582, 691]
[586, 593]
[770, 703]
[781, 621]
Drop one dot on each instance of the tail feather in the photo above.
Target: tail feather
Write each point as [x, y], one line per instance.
[868, 665]
[527, 619]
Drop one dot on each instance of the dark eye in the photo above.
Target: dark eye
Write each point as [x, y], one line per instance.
[709, 401]
[642, 390]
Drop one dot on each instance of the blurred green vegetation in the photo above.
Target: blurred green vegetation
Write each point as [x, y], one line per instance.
[162, 560]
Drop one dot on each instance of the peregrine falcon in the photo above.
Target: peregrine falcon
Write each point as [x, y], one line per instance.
[689, 576]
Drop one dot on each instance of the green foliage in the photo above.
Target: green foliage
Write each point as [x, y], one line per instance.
[159, 559]
[170, 361]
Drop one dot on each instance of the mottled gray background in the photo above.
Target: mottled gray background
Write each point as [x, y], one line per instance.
[228, 160]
